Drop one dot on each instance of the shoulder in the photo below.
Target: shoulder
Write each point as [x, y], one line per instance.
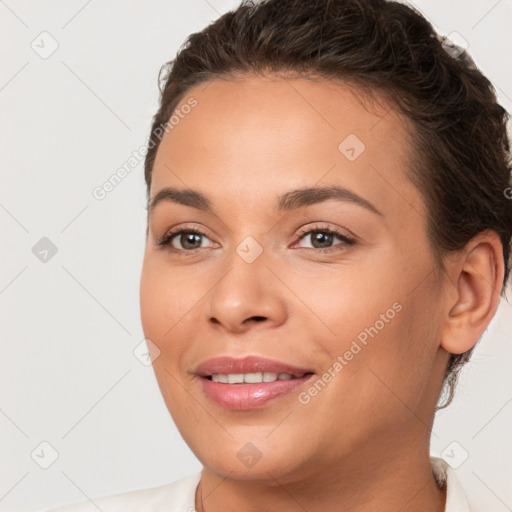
[176, 496]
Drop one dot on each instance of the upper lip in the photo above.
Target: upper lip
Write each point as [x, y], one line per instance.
[248, 364]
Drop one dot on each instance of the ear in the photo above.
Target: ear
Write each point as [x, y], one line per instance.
[476, 280]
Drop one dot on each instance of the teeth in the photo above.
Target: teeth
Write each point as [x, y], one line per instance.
[251, 378]
[235, 378]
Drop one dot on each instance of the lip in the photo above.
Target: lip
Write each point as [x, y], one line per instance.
[248, 364]
[248, 396]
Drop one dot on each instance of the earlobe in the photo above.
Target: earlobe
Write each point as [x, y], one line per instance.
[476, 280]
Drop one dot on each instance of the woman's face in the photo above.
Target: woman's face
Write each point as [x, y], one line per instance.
[360, 308]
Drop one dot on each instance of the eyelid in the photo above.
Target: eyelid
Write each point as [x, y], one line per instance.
[323, 226]
[165, 239]
[347, 240]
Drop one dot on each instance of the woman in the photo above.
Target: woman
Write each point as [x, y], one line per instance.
[328, 238]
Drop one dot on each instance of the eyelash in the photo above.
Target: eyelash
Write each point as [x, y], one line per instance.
[331, 231]
[166, 239]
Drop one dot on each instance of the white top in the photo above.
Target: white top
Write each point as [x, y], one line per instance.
[179, 496]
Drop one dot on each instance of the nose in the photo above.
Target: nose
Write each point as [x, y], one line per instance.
[248, 296]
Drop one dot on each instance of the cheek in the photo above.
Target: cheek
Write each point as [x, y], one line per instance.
[396, 358]
[154, 302]
[164, 305]
[347, 303]
[164, 301]
[382, 335]
[166, 296]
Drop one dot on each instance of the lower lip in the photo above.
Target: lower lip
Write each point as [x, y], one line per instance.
[250, 396]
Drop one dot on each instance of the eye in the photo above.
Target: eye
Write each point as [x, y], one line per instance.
[183, 240]
[189, 240]
[322, 238]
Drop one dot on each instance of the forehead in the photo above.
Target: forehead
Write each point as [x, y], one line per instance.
[257, 137]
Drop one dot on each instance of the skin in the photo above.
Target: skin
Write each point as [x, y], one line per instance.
[362, 443]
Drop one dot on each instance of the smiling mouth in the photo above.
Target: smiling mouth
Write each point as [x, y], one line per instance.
[253, 378]
[248, 391]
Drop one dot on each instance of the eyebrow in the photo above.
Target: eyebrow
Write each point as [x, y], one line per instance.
[291, 200]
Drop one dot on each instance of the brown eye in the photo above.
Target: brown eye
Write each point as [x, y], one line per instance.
[323, 238]
[188, 240]
[183, 240]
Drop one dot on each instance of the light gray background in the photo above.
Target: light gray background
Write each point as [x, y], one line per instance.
[69, 326]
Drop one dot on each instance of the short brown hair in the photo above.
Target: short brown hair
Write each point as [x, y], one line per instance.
[463, 155]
